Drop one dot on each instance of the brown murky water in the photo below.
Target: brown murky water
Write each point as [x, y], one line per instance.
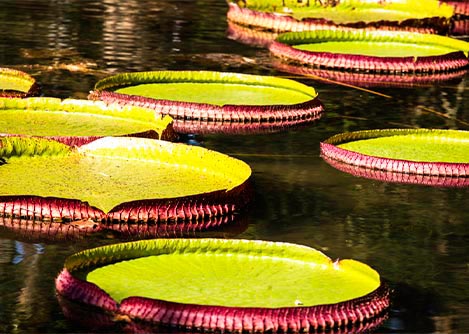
[415, 236]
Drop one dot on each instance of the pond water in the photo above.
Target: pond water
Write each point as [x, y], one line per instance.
[416, 236]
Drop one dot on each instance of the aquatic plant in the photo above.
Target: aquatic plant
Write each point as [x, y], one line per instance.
[435, 153]
[215, 101]
[373, 51]
[306, 15]
[117, 180]
[226, 285]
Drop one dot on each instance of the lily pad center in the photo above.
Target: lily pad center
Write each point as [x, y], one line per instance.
[218, 93]
[429, 147]
[377, 49]
[235, 279]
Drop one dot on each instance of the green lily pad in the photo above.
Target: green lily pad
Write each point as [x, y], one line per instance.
[51, 117]
[129, 179]
[374, 50]
[421, 151]
[307, 15]
[221, 277]
[202, 97]
[14, 83]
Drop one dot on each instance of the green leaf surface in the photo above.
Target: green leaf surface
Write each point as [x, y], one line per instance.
[110, 171]
[236, 273]
[54, 117]
[13, 80]
[430, 146]
[351, 11]
[374, 42]
[217, 88]
[377, 49]
[217, 94]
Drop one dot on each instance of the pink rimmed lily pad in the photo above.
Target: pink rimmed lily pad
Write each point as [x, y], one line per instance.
[14, 83]
[437, 154]
[375, 51]
[215, 101]
[130, 185]
[427, 16]
[226, 285]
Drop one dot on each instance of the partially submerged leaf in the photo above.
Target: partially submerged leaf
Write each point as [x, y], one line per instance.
[245, 285]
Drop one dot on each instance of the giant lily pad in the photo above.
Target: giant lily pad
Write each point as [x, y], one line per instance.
[76, 122]
[307, 15]
[374, 51]
[118, 179]
[215, 100]
[227, 285]
[14, 83]
[436, 153]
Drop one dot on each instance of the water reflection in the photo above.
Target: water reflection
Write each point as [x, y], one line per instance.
[396, 177]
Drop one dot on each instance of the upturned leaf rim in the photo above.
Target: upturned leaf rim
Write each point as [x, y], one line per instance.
[283, 47]
[361, 309]
[188, 115]
[434, 170]
[195, 208]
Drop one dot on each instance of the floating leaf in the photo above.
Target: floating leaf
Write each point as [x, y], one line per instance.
[232, 285]
[308, 15]
[439, 153]
[118, 179]
[373, 51]
[215, 99]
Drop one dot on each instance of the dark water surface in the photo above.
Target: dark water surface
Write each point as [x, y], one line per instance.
[417, 237]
